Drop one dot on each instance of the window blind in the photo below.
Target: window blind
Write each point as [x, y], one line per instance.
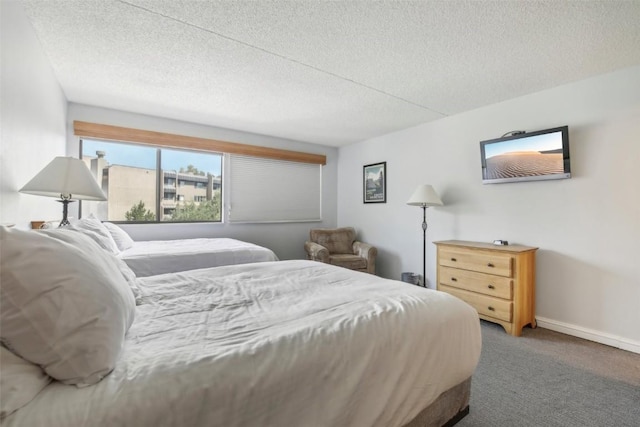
[267, 190]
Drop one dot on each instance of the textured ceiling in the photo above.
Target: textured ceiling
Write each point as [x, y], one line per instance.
[327, 72]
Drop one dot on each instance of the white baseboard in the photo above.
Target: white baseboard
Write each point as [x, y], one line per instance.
[589, 334]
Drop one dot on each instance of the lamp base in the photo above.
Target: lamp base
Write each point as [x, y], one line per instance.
[65, 209]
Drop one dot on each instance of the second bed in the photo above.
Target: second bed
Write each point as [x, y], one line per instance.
[148, 258]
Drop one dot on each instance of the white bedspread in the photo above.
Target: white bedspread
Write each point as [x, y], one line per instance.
[148, 258]
[290, 343]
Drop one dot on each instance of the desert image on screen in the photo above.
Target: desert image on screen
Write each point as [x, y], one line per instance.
[538, 155]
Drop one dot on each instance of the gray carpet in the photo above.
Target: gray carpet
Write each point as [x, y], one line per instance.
[549, 379]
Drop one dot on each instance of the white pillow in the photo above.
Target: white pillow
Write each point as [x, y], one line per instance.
[122, 239]
[70, 236]
[20, 382]
[64, 304]
[93, 228]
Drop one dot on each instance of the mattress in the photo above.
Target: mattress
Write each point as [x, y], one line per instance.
[274, 344]
[148, 258]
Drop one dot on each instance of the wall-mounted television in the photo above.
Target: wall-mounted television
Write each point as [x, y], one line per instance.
[526, 156]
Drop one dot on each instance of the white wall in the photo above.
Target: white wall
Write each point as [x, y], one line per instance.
[33, 118]
[285, 239]
[587, 227]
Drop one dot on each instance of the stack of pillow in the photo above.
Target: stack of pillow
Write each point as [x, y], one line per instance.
[108, 236]
[122, 240]
[66, 303]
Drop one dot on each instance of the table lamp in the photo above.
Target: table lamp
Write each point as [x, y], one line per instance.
[68, 178]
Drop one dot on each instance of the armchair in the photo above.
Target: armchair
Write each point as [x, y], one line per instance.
[338, 246]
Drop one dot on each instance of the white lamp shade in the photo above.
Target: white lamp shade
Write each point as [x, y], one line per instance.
[424, 195]
[65, 177]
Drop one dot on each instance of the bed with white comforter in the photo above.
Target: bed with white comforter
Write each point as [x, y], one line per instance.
[151, 257]
[148, 258]
[289, 343]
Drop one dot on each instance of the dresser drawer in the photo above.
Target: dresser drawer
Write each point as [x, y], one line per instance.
[487, 306]
[487, 284]
[496, 263]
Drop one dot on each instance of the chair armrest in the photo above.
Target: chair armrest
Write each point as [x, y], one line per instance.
[316, 252]
[366, 251]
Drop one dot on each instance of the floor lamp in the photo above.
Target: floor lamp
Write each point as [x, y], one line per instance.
[424, 196]
[68, 178]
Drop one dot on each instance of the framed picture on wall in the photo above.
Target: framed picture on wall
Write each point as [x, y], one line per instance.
[374, 183]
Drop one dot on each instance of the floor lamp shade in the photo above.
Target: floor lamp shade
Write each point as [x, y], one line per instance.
[67, 178]
[424, 196]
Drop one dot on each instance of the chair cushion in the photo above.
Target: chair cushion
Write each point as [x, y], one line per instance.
[336, 240]
[353, 262]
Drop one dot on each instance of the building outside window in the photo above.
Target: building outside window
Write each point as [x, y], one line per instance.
[128, 174]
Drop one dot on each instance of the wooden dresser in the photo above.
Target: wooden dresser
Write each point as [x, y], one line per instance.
[498, 281]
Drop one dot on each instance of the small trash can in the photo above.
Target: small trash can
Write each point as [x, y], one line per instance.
[408, 277]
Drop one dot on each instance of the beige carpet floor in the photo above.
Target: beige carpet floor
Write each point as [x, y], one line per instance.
[546, 378]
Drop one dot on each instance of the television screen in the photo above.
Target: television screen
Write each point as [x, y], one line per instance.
[528, 156]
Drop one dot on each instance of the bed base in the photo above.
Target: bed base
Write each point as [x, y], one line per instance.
[449, 408]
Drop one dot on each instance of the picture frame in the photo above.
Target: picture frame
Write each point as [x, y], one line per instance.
[374, 183]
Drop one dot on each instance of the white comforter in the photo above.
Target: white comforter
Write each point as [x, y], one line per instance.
[148, 258]
[291, 343]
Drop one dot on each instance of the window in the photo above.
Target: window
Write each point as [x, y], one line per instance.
[272, 184]
[140, 182]
[266, 190]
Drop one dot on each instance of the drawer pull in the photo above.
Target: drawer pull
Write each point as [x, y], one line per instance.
[491, 308]
[453, 259]
[453, 279]
[491, 287]
[490, 265]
